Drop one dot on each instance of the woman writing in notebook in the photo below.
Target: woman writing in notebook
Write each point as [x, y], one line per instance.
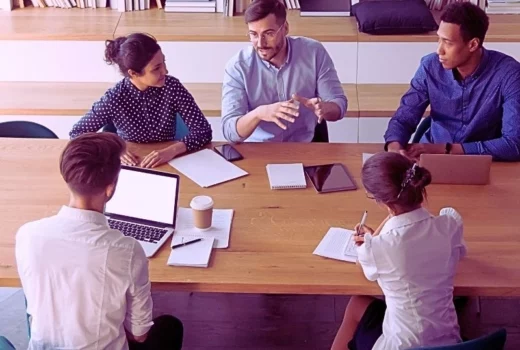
[144, 105]
[413, 257]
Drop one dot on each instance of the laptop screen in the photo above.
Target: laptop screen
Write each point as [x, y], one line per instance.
[145, 195]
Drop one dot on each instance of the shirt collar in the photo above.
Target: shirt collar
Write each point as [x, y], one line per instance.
[481, 66]
[83, 215]
[406, 219]
[151, 91]
[287, 58]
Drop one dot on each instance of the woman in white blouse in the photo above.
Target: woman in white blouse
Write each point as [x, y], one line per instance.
[413, 257]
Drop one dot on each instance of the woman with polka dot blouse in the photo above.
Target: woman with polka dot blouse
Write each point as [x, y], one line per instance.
[143, 106]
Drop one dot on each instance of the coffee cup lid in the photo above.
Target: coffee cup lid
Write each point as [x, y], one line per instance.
[201, 203]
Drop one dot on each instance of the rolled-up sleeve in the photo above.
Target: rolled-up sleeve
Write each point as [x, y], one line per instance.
[328, 85]
[413, 105]
[99, 115]
[234, 102]
[507, 147]
[138, 320]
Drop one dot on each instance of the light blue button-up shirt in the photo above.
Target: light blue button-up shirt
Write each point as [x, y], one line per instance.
[250, 82]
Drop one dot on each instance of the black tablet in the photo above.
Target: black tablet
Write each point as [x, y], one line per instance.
[330, 178]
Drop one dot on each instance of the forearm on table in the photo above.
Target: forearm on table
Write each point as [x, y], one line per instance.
[178, 148]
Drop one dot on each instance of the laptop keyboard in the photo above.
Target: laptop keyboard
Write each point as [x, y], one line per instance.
[139, 232]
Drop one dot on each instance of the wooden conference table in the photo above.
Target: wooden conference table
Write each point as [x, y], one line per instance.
[275, 232]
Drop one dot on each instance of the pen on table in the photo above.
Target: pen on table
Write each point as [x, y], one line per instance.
[362, 223]
[186, 243]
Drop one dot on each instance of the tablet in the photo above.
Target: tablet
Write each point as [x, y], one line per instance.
[330, 178]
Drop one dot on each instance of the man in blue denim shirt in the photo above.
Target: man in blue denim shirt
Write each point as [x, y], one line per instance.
[281, 87]
[474, 94]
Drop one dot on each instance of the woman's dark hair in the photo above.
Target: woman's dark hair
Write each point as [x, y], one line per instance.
[133, 52]
[472, 20]
[260, 9]
[91, 162]
[394, 179]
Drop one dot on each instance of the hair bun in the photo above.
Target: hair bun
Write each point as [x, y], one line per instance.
[112, 48]
[421, 178]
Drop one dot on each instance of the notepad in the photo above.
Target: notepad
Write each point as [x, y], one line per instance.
[366, 156]
[206, 168]
[286, 176]
[220, 226]
[192, 255]
[337, 244]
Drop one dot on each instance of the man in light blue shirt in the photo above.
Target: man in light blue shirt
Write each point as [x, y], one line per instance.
[281, 87]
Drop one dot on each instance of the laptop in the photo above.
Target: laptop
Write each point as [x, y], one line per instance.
[457, 169]
[144, 206]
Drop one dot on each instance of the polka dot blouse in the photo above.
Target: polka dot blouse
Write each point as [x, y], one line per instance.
[147, 116]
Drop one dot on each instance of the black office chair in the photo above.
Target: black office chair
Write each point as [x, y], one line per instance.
[321, 132]
[25, 129]
[424, 125]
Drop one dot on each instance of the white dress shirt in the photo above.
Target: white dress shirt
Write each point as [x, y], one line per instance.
[413, 260]
[84, 282]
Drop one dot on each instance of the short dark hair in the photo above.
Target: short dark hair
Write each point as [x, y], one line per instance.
[91, 162]
[472, 20]
[133, 52]
[260, 9]
[385, 175]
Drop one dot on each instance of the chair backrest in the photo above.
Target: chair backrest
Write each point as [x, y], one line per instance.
[5, 344]
[181, 130]
[25, 129]
[424, 125]
[321, 132]
[493, 341]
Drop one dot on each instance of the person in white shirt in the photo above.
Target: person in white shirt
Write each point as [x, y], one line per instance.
[87, 286]
[413, 256]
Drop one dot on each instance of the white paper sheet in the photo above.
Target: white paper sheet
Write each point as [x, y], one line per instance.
[366, 156]
[220, 228]
[206, 168]
[337, 244]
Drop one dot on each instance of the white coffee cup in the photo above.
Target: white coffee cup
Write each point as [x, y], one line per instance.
[202, 208]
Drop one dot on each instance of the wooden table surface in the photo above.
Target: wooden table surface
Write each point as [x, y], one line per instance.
[275, 232]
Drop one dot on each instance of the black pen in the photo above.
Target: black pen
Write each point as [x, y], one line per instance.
[186, 243]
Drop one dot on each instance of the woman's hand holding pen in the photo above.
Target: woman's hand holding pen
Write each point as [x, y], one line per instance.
[361, 230]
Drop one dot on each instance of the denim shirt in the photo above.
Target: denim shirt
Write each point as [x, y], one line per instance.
[481, 112]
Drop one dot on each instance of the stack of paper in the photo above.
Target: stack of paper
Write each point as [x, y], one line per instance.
[206, 168]
[193, 255]
[337, 244]
[219, 230]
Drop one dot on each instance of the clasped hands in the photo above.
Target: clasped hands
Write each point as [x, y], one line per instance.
[289, 110]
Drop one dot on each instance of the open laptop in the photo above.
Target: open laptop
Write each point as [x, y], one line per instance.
[457, 169]
[144, 206]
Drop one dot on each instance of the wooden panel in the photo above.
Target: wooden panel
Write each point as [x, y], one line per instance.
[274, 232]
[216, 27]
[20, 98]
[380, 100]
[101, 24]
[58, 24]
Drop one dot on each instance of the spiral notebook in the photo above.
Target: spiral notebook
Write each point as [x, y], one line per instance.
[286, 176]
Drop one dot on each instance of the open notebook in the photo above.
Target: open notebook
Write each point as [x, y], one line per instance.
[193, 255]
[337, 244]
[286, 176]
